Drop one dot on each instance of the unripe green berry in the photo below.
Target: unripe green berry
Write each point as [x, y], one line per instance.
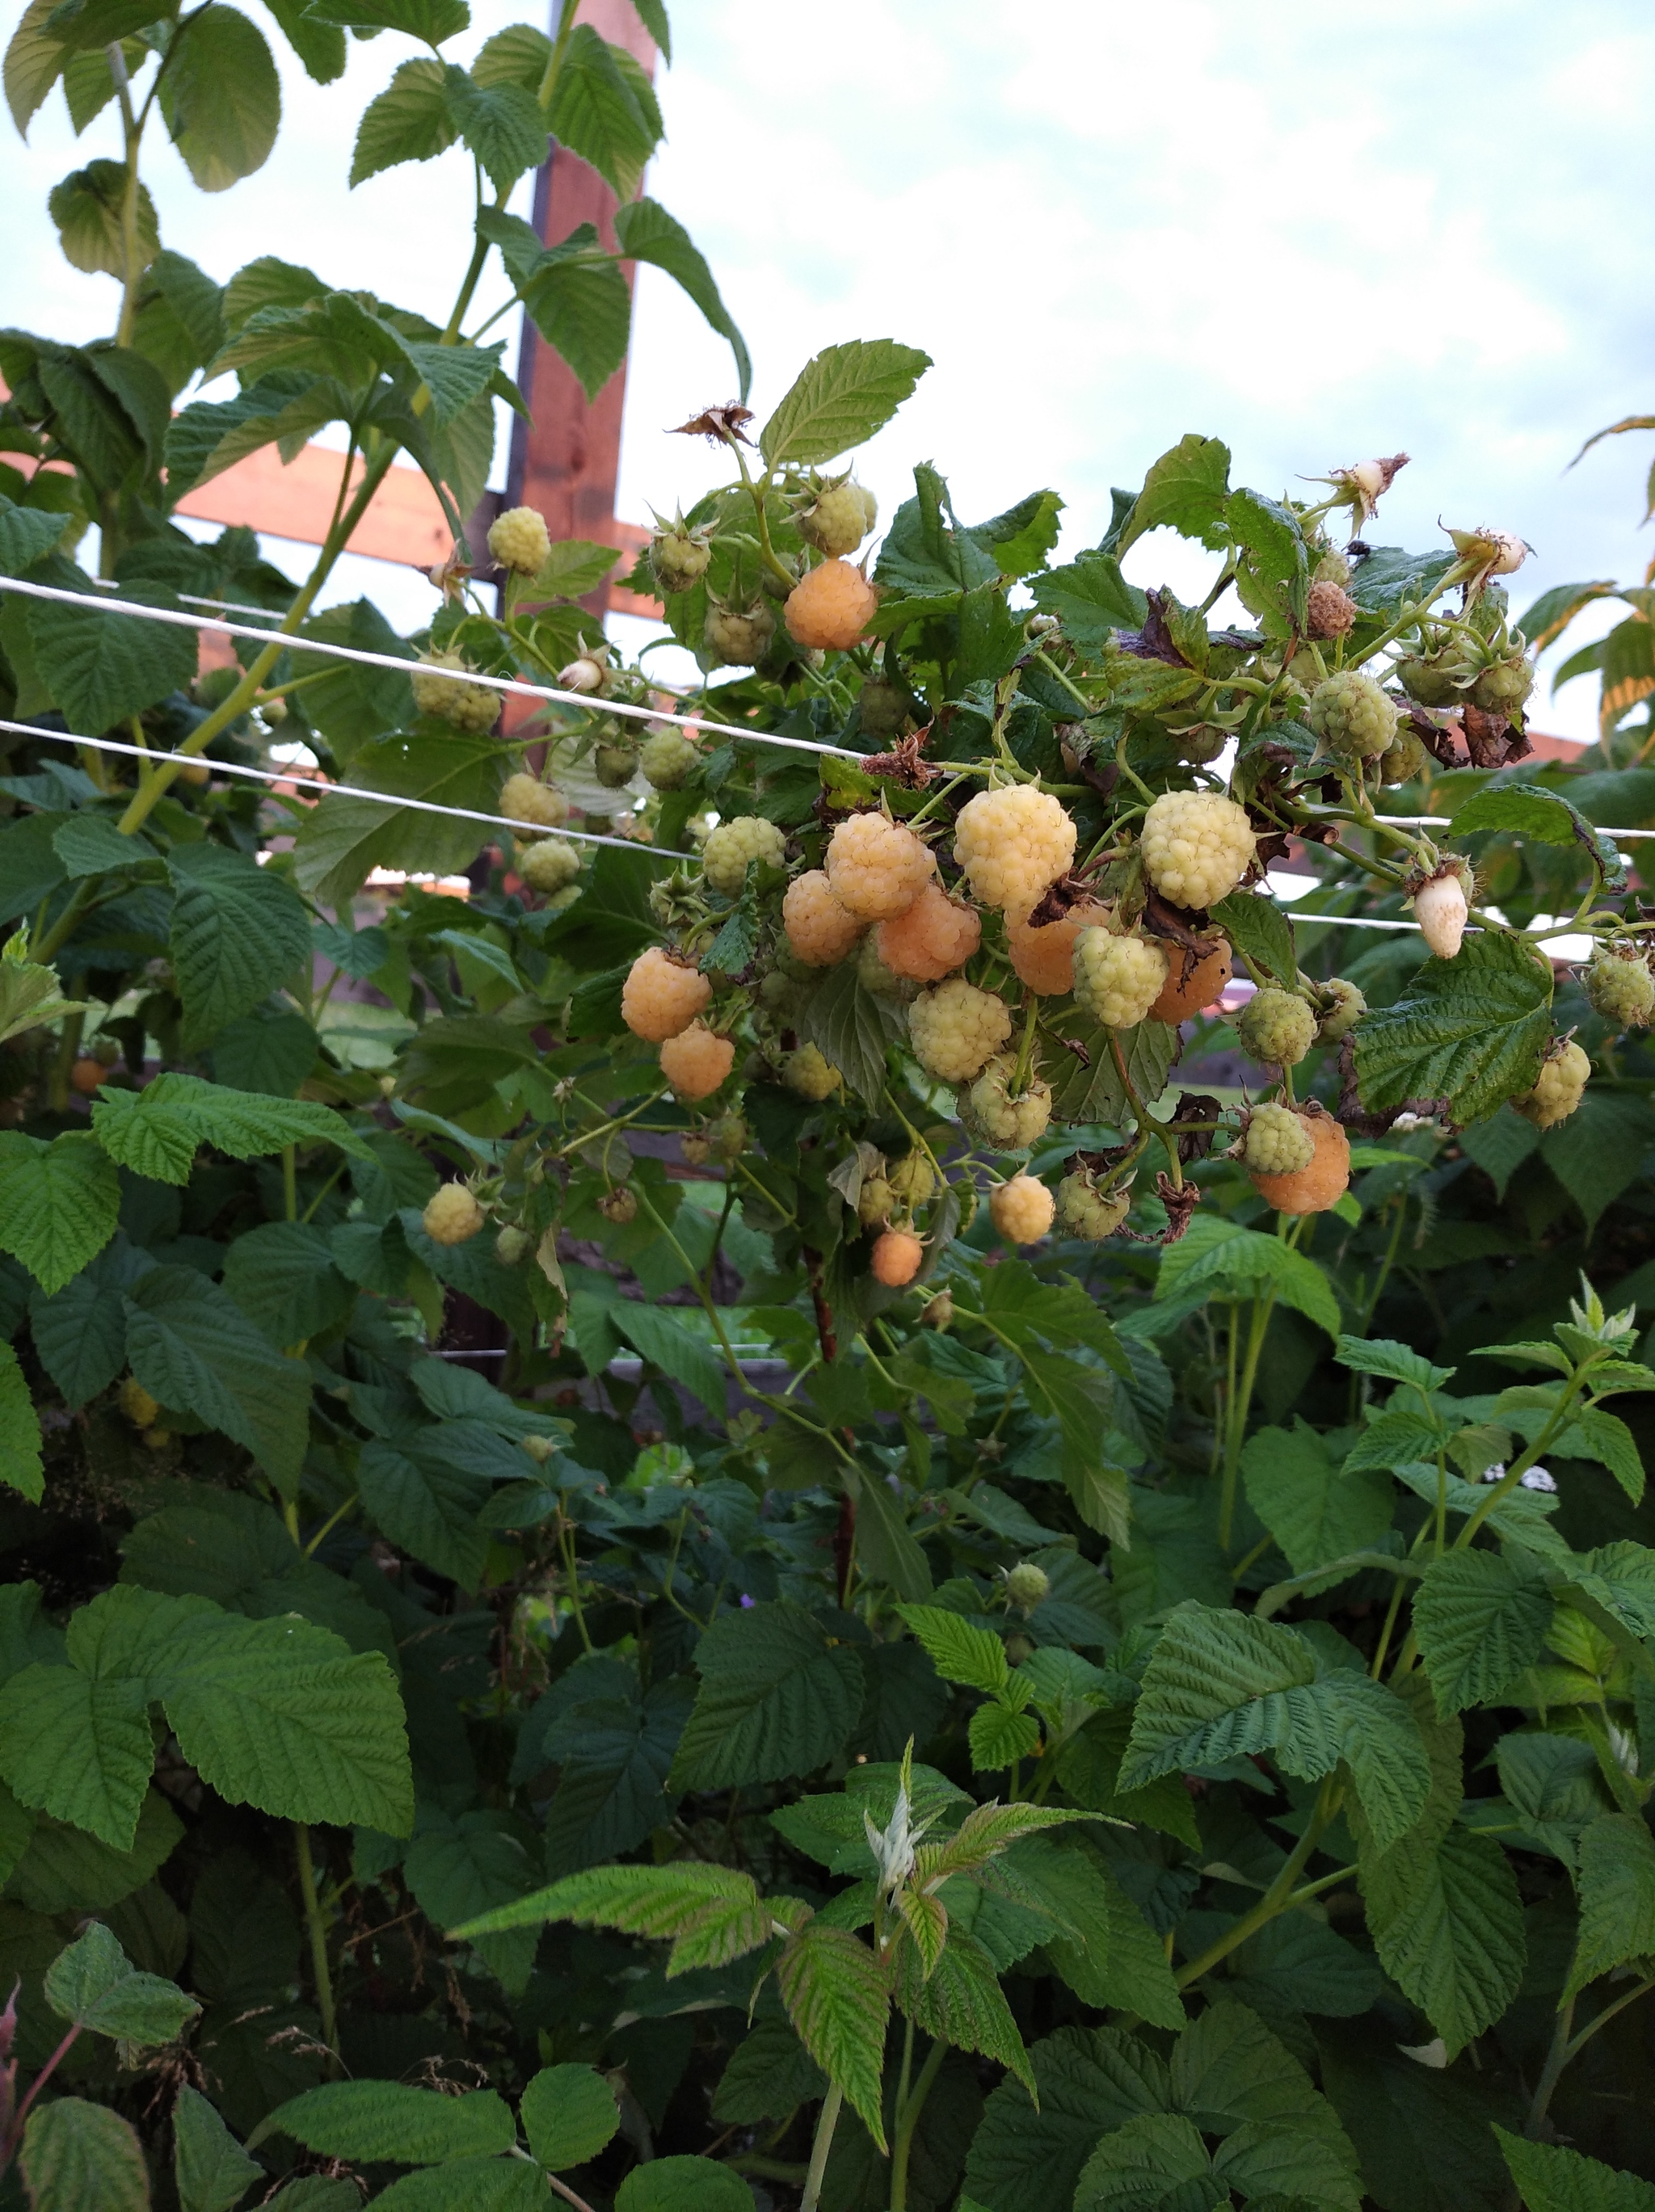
[877, 1202]
[739, 637]
[539, 1449]
[1277, 1142]
[940, 1313]
[989, 1115]
[1621, 989]
[1403, 759]
[1027, 1585]
[1084, 1209]
[513, 1245]
[1346, 1009]
[680, 557]
[839, 521]
[1332, 568]
[734, 844]
[1504, 685]
[728, 1135]
[614, 766]
[1353, 716]
[549, 866]
[884, 707]
[667, 758]
[912, 1179]
[809, 1074]
[1276, 1028]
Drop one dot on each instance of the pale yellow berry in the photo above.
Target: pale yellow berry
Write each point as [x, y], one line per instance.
[818, 929]
[696, 1061]
[1117, 979]
[452, 1214]
[1022, 1210]
[956, 1029]
[1196, 847]
[811, 1076]
[518, 539]
[472, 706]
[1014, 845]
[830, 608]
[525, 798]
[1559, 1088]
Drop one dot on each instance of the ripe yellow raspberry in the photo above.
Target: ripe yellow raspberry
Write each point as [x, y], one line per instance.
[549, 866]
[521, 540]
[1331, 609]
[740, 637]
[1194, 981]
[660, 996]
[897, 1256]
[1086, 1209]
[728, 848]
[1558, 1087]
[830, 607]
[1344, 1007]
[1117, 979]
[991, 1114]
[1014, 845]
[811, 1076]
[1044, 957]
[1276, 1028]
[525, 798]
[1322, 1183]
[1621, 988]
[666, 758]
[139, 1407]
[956, 1029]
[1277, 1142]
[1196, 847]
[877, 867]
[1022, 1210]
[936, 936]
[452, 1214]
[840, 518]
[696, 1061]
[472, 706]
[818, 929]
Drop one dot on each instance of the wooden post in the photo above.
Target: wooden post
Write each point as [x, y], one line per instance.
[566, 460]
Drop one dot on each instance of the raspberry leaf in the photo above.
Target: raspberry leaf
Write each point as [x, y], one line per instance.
[1553, 2178]
[840, 400]
[1469, 1030]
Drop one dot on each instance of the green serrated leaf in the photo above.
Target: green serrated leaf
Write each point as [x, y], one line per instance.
[93, 1984]
[1553, 2178]
[777, 1698]
[78, 2157]
[1261, 931]
[58, 1203]
[1471, 1030]
[189, 1348]
[22, 1467]
[393, 2122]
[569, 2113]
[839, 400]
[1447, 1926]
[836, 1997]
[1317, 1512]
[1616, 1882]
[1480, 1619]
[212, 2171]
[1187, 490]
[238, 931]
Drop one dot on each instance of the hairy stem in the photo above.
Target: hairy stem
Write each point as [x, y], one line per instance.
[908, 2119]
[826, 2122]
[1278, 1896]
[316, 1928]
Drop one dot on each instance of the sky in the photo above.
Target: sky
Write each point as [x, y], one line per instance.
[1317, 235]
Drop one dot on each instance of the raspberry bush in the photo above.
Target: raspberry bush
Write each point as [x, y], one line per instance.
[672, 1528]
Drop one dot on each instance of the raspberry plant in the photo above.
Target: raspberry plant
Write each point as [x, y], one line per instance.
[766, 1519]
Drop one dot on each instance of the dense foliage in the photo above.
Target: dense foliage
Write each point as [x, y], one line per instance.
[772, 1521]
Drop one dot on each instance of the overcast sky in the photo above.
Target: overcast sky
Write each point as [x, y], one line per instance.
[1316, 236]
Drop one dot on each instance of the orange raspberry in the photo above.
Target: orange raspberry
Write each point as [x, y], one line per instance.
[1044, 957]
[660, 996]
[1194, 981]
[696, 1061]
[831, 606]
[87, 1074]
[936, 936]
[819, 930]
[1022, 1209]
[1325, 1181]
[877, 867]
[897, 1257]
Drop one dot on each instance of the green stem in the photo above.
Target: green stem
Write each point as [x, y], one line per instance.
[571, 1570]
[1557, 2058]
[826, 2122]
[318, 1930]
[61, 930]
[1241, 1405]
[69, 1046]
[290, 1183]
[328, 1526]
[1279, 1894]
[346, 516]
[1523, 1462]
[908, 2118]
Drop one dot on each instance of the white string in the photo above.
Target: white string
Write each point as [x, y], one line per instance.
[1445, 822]
[337, 790]
[196, 599]
[506, 685]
